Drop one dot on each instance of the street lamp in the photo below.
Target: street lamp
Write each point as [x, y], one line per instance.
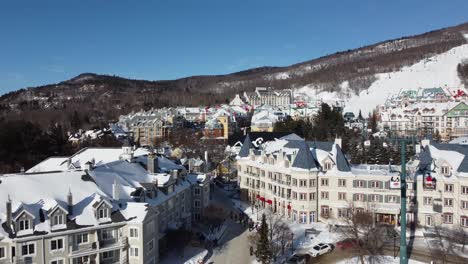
[292, 243]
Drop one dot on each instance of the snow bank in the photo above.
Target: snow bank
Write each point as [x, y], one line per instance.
[385, 260]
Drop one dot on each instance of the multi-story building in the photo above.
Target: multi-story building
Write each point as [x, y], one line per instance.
[313, 181]
[268, 96]
[97, 206]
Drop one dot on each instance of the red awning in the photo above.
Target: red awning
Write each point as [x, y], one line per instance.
[289, 207]
[262, 199]
[269, 201]
[258, 196]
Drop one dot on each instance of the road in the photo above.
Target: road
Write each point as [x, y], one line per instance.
[234, 246]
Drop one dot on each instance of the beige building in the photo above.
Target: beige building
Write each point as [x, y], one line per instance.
[313, 181]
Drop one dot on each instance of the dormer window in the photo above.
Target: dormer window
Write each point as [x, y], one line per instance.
[103, 212]
[24, 224]
[58, 219]
[445, 170]
[328, 166]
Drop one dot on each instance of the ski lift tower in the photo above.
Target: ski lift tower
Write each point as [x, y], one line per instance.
[403, 246]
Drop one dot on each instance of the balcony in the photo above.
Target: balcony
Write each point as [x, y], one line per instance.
[98, 246]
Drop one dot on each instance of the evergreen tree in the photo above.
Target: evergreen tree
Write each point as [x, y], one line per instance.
[373, 121]
[263, 252]
[75, 121]
[360, 116]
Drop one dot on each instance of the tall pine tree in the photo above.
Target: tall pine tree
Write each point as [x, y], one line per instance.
[263, 253]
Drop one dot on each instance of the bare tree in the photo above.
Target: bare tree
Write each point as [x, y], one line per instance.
[368, 239]
[459, 236]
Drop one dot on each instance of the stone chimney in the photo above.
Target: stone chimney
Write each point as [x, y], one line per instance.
[70, 202]
[152, 163]
[115, 191]
[9, 213]
[338, 142]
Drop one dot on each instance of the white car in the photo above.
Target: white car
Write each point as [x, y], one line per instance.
[320, 249]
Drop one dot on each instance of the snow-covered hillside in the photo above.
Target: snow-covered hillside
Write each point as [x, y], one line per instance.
[436, 71]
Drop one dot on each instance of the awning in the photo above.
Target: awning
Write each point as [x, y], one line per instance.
[262, 199]
[258, 196]
[269, 201]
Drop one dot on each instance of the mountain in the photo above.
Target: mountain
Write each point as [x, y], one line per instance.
[362, 77]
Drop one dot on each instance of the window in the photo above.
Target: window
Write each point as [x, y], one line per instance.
[28, 249]
[197, 191]
[464, 204]
[2, 252]
[427, 200]
[58, 219]
[359, 184]
[376, 184]
[312, 183]
[294, 182]
[325, 210]
[343, 212]
[57, 261]
[150, 245]
[448, 202]
[312, 196]
[24, 224]
[449, 187]
[341, 183]
[374, 197]
[107, 234]
[108, 255]
[103, 213]
[392, 199]
[197, 203]
[324, 182]
[464, 221]
[82, 238]
[445, 170]
[341, 196]
[133, 232]
[303, 196]
[328, 166]
[448, 219]
[134, 252]
[302, 183]
[359, 196]
[294, 195]
[464, 190]
[56, 244]
[324, 195]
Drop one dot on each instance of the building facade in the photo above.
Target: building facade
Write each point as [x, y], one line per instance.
[313, 181]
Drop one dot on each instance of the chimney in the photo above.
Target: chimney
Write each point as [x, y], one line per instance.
[207, 161]
[9, 212]
[152, 163]
[115, 191]
[70, 202]
[155, 182]
[338, 141]
[88, 166]
[68, 163]
[22, 170]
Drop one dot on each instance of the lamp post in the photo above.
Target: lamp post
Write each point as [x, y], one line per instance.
[292, 242]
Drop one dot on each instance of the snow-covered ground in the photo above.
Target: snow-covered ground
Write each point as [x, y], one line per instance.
[301, 241]
[384, 260]
[192, 255]
[437, 71]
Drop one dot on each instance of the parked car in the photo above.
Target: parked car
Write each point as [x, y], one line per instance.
[299, 258]
[347, 243]
[320, 249]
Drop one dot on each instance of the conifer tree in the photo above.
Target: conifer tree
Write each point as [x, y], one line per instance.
[263, 252]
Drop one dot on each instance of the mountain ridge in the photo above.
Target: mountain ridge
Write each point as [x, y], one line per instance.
[117, 95]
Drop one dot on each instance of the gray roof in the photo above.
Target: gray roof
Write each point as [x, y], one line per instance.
[292, 136]
[323, 145]
[462, 149]
[246, 146]
[425, 159]
[342, 163]
[304, 158]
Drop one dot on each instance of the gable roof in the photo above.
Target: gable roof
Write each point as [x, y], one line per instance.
[304, 158]
[246, 146]
[342, 163]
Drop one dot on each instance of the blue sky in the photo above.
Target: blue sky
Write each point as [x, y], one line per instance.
[44, 42]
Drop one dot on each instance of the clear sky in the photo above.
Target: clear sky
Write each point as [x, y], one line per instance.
[47, 41]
